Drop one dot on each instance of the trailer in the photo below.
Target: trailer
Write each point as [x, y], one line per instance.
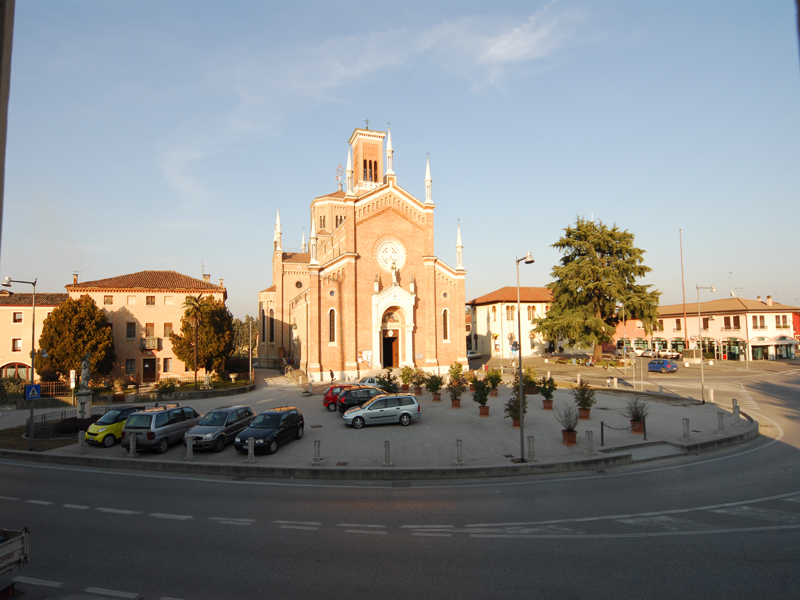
[13, 553]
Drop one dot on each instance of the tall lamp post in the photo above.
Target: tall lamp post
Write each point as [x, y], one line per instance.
[700, 339]
[7, 283]
[528, 259]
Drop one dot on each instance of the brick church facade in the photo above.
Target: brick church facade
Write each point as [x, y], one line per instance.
[368, 291]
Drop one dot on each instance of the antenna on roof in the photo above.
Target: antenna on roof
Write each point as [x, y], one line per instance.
[202, 268]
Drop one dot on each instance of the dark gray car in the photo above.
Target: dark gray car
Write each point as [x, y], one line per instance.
[219, 427]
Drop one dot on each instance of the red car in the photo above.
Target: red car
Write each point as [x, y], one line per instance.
[332, 393]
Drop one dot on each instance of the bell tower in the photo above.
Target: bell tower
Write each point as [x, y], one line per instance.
[367, 158]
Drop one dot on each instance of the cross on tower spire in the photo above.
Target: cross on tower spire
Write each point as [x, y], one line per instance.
[367, 122]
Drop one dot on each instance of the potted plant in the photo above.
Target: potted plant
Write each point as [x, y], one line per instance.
[481, 395]
[511, 409]
[547, 386]
[457, 385]
[434, 383]
[568, 417]
[636, 410]
[418, 379]
[494, 377]
[406, 375]
[388, 382]
[529, 380]
[584, 398]
[119, 390]
[471, 377]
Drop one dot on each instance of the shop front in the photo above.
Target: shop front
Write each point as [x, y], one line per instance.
[732, 349]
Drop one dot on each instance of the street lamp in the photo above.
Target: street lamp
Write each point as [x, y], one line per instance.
[700, 339]
[528, 260]
[7, 283]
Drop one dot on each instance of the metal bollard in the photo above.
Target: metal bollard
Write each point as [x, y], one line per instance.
[602, 437]
[189, 449]
[531, 455]
[661, 389]
[81, 440]
[251, 450]
[686, 437]
[711, 395]
[589, 444]
[317, 462]
[132, 450]
[644, 428]
[737, 422]
[387, 460]
[720, 422]
[734, 402]
[459, 455]
[614, 380]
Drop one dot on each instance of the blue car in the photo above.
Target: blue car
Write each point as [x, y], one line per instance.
[662, 365]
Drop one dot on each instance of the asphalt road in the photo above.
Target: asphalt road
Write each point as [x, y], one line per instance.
[723, 524]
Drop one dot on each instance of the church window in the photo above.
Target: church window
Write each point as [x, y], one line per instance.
[271, 325]
[445, 325]
[494, 313]
[332, 326]
[365, 170]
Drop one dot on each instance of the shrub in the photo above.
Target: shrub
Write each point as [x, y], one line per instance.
[584, 395]
[406, 375]
[388, 382]
[12, 387]
[419, 378]
[546, 387]
[494, 377]
[456, 370]
[512, 408]
[636, 410]
[166, 386]
[568, 417]
[481, 393]
[434, 383]
[528, 376]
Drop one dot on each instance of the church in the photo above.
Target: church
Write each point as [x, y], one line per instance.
[367, 292]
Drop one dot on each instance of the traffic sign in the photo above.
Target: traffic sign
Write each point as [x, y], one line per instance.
[33, 392]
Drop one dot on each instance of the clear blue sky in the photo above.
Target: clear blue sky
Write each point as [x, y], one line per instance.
[156, 135]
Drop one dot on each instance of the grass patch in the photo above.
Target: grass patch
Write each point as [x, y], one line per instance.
[11, 439]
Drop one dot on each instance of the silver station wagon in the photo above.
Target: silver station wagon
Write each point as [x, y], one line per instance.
[158, 427]
[392, 408]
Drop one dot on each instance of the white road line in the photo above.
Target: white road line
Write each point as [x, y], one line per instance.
[666, 523]
[8, 498]
[173, 517]
[792, 499]
[431, 534]
[41, 502]
[359, 525]
[168, 598]
[118, 511]
[32, 581]
[368, 531]
[426, 526]
[113, 593]
[748, 401]
[76, 506]
[228, 521]
[765, 514]
[609, 536]
[297, 523]
[301, 527]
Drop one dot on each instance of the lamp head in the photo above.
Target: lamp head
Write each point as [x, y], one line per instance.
[528, 259]
[713, 289]
[7, 282]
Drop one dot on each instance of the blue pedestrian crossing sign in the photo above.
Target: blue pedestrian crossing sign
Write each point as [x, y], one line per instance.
[33, 392]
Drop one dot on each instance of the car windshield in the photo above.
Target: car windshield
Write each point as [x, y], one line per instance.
[109, 418]
[269, 421]
[213, 419]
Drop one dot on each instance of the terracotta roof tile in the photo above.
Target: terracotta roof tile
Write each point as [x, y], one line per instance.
[42, 299]
[337, 194]
[725, 305]
[269, 289]
[148, 280]
[509, 294]
[297, 257]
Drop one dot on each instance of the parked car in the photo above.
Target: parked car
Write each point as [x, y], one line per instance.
[472, 354]
[159, 426]
[648, 353]
[369, 381]
[107, 430]
[332, 394]
[662, 365]
[356, 396]
[219, 427]
[271, 428]
[394, 408]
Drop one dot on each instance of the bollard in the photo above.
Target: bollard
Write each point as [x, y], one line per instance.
[608, 382]
[644, 428]
[737, 422]
[578, 378]
[132, 450]
[686, 437]
[387, 461]
[189, 449]
[614, 380]
[459, 455]
[81, 440]
[531, 455]
[734, 402]
[602, 440]
[711, 395]
[661, 389]
[251, 450]
[548, 374]
[589, 444]
[317, 462]
[720, 422]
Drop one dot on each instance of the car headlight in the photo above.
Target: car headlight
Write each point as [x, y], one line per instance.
[102, 429]
[238, 440]
[208, 436]
[259, 441]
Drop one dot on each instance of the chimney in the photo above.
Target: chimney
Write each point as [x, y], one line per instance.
[207, 279]
[220, 282]
[74, 278]
[758, 298]
[769, 300]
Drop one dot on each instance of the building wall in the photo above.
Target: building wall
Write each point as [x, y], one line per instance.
[10, 331]
[493, 340]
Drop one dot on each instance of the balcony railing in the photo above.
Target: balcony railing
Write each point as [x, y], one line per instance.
[149, 343]
[728, 328]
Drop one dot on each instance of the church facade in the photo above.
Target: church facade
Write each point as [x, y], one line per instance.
[368, 292]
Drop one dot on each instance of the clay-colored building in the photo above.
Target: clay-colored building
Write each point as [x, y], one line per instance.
[369, 291]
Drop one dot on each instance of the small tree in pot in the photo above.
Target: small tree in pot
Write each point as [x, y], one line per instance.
[529, 380]
[471, 378]
[434, 383]
[494, 377]
[511, 408]
[418, 379]
[636, 410]
[547, 386]
[457, 385]
[481, 395]
[406, 375]
[584, 398]
[388, 382]
[568, 417]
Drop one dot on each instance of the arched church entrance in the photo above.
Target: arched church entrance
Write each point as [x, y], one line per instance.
[391, 328]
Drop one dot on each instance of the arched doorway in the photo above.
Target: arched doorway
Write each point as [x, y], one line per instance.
[391, 328]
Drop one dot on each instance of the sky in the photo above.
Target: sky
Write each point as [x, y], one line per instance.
[166, 135]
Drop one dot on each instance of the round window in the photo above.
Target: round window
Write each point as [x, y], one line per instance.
[391, 255]
[299, 284]
[333, 293]
[445, 295]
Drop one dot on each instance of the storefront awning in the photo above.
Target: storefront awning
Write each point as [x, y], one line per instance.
[761, 341]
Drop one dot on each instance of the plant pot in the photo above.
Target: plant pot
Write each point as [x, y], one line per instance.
[637, 427]
[405, 387]
[418, 390]
[455, 402]
[515, 423]
[437, 396]
[569, 438]
[471, 387]
[547, 404]
[583, 414]
[532, 391]
[493, 393]
[483, 410]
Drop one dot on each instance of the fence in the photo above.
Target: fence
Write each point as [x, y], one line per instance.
[63, 423]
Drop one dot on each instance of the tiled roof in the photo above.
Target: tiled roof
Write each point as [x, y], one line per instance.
[509, 294]
[148, 280]
[269, 289]
[8, 298]
[338, 194]
[725, 305]
[297, 257]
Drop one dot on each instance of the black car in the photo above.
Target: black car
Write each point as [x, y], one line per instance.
[271, 428]
[356, 396]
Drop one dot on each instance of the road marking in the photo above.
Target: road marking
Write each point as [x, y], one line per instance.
[228, 521]
[76, 506]
[667, 523]
[609, 536]
[297, 523]
[431, 534]
[32, 581]
[8, 498]
[748, 401]
[367, 531]
[118, 511]
[427, 526]
[765, 514]
[302, 527]
[113, 593]
[173, 517]
[359, 525]
[168, 598]
[792, 499]
[41, 502]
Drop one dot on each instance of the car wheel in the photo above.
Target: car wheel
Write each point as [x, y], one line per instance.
[273, 447]
[109, 440]
[332, 407]
[358, 422]
[405, 419]
[219, 444]
[663, 370]
[163, 445]
[300, 433]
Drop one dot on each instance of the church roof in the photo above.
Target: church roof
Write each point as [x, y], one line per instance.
[269, 289]
[337, 194]
[9, 298]
[148, 280]
[297, 257]
[725, 305]
[509, 294]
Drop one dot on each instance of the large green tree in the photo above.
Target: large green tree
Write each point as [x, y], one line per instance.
[76, 327]
[596, 276]
[208, 336]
